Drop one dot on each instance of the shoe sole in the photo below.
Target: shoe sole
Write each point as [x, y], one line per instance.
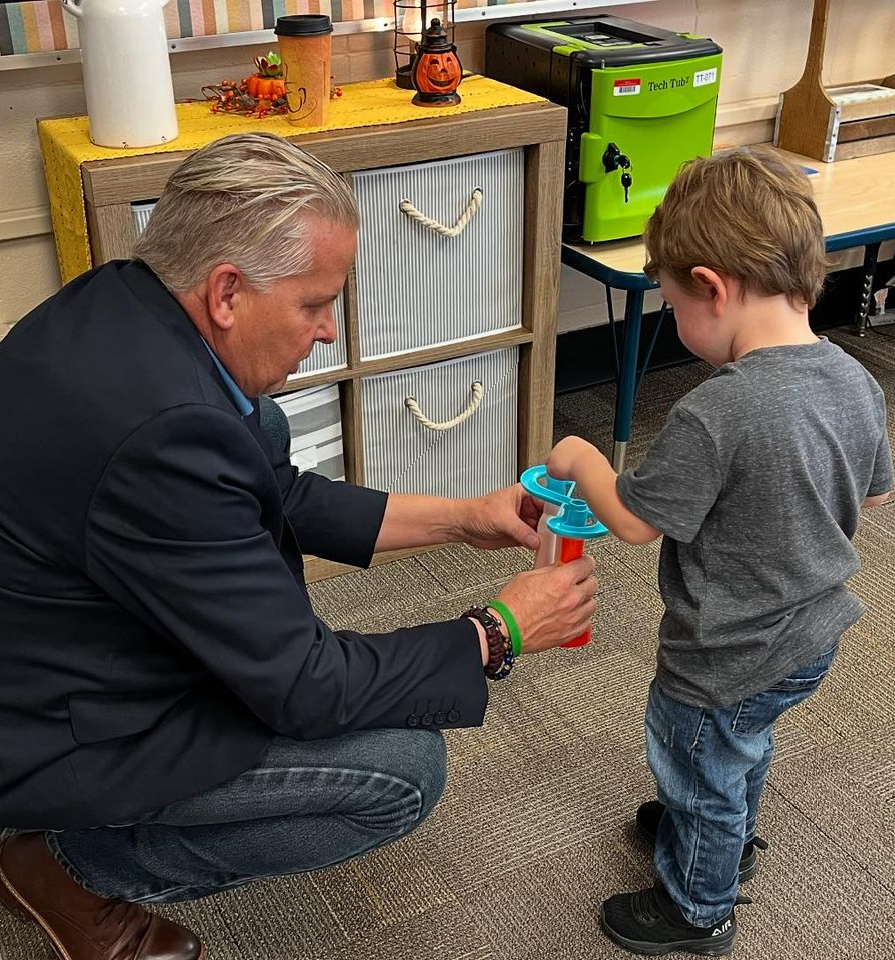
[13, 906]
[11, 900]
[748, 865]
[21, 910]
[718, 946]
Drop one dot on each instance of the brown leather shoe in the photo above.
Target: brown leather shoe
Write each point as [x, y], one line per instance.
[82, 926]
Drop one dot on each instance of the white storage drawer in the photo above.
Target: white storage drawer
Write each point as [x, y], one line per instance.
[417, 288]
[323, 357]
[141, 213]
[475, 455]
[315, 423]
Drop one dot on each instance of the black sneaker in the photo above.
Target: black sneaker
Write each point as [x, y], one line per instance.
[650, 922]
[650, 813]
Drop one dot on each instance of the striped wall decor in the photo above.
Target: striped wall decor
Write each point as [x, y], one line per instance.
[38, 26]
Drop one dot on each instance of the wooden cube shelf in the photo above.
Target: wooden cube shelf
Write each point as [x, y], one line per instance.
[112, 186]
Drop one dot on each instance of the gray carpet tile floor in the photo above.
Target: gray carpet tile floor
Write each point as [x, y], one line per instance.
[560, 767]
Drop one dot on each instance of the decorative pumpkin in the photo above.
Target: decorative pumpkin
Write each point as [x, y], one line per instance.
[268, 83]
[436, 72]
[261, 94]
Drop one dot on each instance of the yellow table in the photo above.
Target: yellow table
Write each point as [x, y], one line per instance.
[65, 143]
[856, 200]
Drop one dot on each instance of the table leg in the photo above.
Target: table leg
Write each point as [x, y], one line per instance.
[627, 379]
[871, 255]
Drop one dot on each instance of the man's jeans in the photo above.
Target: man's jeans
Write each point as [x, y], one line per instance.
[710, 768]
[304, 806]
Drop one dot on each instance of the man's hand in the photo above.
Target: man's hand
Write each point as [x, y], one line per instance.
[504, 518]
[552, 604]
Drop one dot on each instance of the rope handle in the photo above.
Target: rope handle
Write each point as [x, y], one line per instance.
[475, 202]
[478, 391]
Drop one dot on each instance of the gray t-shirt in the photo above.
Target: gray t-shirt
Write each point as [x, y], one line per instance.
[757, 480]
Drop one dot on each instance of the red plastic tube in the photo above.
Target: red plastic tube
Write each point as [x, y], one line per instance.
[571, 549]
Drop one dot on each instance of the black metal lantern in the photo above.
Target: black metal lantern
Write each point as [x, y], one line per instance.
[412, 19]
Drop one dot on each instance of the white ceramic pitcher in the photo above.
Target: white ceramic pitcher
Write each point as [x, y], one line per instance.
[127, 74]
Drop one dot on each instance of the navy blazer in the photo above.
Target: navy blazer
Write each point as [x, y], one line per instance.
[155, 627]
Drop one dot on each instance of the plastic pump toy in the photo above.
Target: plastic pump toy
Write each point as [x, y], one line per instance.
[565, 524]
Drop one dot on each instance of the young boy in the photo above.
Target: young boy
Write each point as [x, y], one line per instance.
[755, 483]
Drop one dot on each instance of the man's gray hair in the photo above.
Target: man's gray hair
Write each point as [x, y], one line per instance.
[248, 200]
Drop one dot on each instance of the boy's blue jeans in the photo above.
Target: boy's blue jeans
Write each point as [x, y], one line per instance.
[710, 768]
[304, 806]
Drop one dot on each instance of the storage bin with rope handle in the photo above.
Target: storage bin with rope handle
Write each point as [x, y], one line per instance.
[440, 252]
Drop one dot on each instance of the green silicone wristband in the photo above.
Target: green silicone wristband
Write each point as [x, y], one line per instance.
[512, 626]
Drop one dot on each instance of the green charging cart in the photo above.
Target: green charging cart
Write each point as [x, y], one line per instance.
[641, 101]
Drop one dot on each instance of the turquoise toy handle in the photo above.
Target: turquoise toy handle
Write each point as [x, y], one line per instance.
[557, 492]
[574, 519]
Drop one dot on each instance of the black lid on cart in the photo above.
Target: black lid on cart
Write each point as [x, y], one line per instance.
[606, 41]
[303, 25]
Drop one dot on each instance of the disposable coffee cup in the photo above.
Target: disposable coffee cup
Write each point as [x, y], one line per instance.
[305, 42]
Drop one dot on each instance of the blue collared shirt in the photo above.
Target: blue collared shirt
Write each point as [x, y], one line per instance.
[243, 404]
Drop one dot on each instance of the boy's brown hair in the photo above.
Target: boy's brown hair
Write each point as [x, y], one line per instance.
[747, 214]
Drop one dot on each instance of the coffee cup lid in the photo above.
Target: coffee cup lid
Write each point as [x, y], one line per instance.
[303, 25]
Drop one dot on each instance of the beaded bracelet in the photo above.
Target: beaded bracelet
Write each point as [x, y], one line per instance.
[512, 627]
[500, 649]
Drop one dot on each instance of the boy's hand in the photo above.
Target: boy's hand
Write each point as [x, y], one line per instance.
[595, 483]
[566, 458]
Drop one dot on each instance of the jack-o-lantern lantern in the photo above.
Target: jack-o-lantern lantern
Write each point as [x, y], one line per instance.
[436, 70]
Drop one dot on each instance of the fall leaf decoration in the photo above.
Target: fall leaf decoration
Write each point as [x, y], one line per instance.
[262, 93]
